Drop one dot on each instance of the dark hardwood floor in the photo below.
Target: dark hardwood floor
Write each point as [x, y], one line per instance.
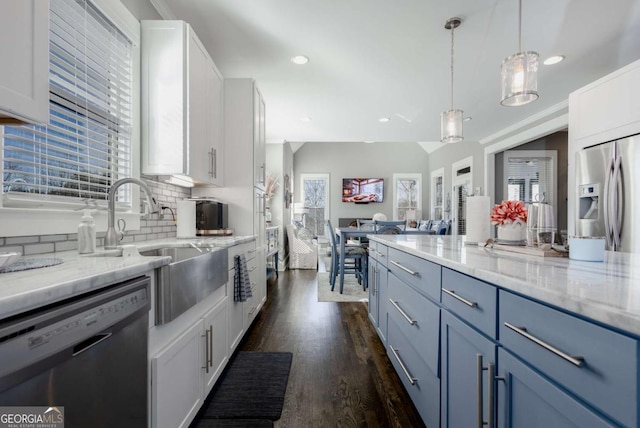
[340, 374]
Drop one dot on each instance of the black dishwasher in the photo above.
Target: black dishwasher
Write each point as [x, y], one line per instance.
[86, 357]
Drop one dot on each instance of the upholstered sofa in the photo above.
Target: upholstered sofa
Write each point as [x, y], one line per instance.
[303, 250]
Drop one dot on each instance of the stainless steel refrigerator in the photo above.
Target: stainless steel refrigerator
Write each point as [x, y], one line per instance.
[608, 178]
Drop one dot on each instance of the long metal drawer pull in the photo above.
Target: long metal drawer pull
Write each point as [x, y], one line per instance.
[403, 313]
[462, 299]
[409, 271]
[576, 360]
[412, 379]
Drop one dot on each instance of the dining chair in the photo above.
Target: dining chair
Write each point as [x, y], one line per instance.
[390, 227]
[355, 260]
[364, 224]
[444, 227]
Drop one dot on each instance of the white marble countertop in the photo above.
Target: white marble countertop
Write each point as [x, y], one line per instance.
[607, 292]
[29, 289]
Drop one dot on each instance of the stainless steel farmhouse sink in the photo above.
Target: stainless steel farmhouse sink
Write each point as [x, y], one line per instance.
[192, 275]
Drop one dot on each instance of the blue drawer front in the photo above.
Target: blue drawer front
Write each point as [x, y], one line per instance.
[424, 333]
[608, 378]
[378, 251]
[421, 274]
[480, 308]
[425, 391]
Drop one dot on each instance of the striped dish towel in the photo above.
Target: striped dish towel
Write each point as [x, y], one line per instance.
[241, 280]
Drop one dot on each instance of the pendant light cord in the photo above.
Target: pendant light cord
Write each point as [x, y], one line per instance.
[519, 25]
[452, 29]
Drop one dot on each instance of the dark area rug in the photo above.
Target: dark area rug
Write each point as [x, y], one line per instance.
[252, 388]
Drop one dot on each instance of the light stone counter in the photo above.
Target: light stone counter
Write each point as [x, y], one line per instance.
[608, 292]
[29, 289]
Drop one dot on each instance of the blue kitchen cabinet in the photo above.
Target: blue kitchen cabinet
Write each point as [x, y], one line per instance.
[378, 289]
[413, 345]
[526, 399]
[596, 365]
[466, 356]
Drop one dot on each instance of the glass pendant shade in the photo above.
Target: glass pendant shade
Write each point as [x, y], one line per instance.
[451, 126]
[519, 79]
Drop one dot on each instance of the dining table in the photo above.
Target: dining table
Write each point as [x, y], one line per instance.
[346, 233]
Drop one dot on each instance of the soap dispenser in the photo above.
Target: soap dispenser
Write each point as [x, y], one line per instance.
[86, 234]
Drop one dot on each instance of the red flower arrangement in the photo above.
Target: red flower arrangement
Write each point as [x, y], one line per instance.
[509, 212]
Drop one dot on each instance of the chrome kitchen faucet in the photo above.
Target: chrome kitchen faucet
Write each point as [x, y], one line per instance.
[112, 237]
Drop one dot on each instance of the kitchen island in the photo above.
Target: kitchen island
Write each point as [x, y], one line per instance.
[479, 334]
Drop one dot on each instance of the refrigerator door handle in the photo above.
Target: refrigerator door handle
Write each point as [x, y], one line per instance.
[607, 203]
[618, 204]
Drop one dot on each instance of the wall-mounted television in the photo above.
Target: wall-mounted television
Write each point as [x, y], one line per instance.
[362, 190]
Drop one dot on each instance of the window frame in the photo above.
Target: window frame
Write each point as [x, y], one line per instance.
[42, 216]
[417, 176]
[327, 208]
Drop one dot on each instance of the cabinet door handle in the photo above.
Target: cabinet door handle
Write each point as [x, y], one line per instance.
[576, 360]
[409, 271]
[479, 396]
[403, 313]
[412, 380]
[479, 392]
[462, 299]
[375, 280]
[215, 163]
[208, 335]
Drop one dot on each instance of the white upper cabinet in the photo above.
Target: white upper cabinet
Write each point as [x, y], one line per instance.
[606, 109]
[259, 163]
[182, 105]
[24, 75]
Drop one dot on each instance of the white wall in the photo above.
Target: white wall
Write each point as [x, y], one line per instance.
[345, 160]
[445, 156]
[279, 164]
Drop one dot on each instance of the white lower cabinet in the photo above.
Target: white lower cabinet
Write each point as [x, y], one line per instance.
[176, 380]
[184, 371]
[216, 352]
[241, 313]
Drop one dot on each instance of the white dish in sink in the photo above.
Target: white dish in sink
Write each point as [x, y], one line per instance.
[8, 258]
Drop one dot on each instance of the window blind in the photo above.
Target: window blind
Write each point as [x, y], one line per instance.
[530, 179]
[86, 145]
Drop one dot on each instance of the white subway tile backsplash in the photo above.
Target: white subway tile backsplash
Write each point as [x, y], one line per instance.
[38, 249]
[53, 238]
[66, 246]
[17, 240]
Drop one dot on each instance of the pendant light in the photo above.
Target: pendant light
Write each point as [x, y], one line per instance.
[451, 120]
[519, 73]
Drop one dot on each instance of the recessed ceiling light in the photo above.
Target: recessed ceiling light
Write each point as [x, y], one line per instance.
[553, 60]
[467, 119]
[300, 59]
[305, 119]
[384, 119]
[369, 142]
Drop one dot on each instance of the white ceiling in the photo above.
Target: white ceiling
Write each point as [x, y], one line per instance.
[391, 58]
